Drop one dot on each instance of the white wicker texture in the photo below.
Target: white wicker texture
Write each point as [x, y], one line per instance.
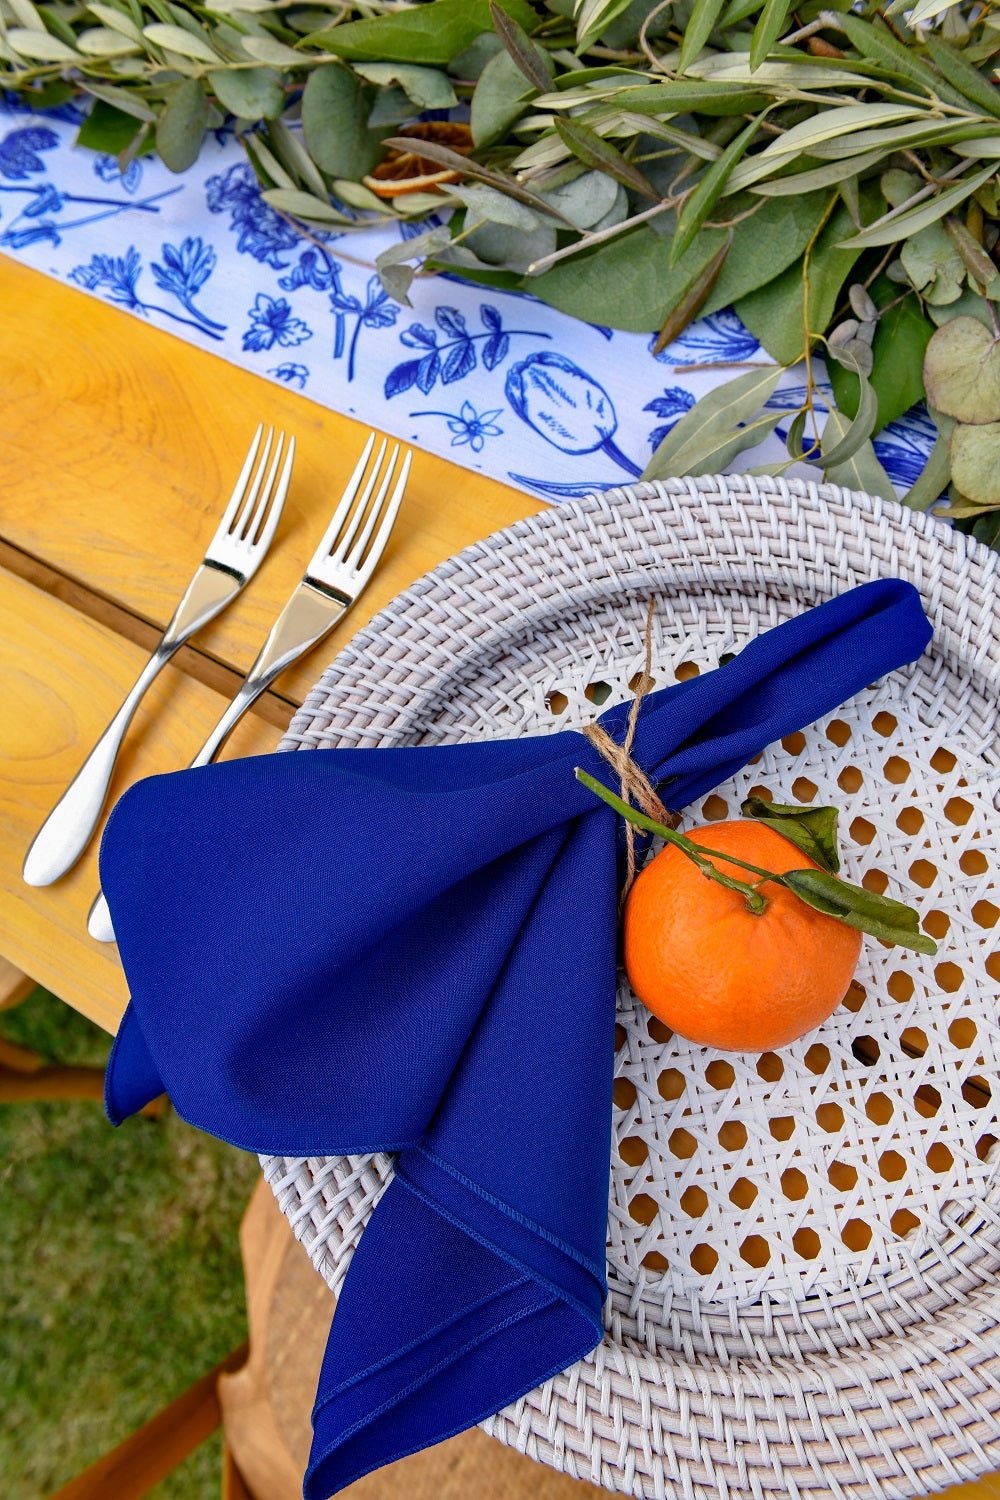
[802, 1248]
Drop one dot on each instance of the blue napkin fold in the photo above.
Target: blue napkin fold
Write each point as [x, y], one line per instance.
[413, 950]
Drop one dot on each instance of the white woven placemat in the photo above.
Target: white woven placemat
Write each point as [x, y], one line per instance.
[802, 1247]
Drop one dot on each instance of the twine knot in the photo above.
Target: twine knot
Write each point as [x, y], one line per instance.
[636, 787]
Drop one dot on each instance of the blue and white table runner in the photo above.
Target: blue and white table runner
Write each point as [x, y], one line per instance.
[495, 381]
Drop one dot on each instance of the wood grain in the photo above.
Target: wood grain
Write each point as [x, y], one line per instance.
[61, 679]
[121, 443]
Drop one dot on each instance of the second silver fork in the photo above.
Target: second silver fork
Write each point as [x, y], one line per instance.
[340, 568]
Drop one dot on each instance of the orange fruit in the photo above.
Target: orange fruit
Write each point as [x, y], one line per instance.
[409, 172]
[716, 972]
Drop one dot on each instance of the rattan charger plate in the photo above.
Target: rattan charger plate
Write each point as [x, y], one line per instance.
[803, 1247]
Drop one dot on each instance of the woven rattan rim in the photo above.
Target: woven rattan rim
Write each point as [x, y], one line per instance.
[886, 1381]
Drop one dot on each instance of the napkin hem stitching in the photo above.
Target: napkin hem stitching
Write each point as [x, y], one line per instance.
[528, 1271]
[464, 1426]
[389, 1359]
[519, 1218]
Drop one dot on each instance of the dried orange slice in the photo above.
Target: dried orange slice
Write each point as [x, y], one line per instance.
[409, 172]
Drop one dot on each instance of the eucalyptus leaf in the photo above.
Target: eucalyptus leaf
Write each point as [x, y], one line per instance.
[975, 462]
[901, 338]
[811, 829]
[181, 127]
[879, 916]
[453, 160]
[515, 249]
[933, 264]
[250, 93]
[974, 258]
[334, 120]
[429, 88]
[486, 203]
[587, 199]
[962, 372]
[861, 470]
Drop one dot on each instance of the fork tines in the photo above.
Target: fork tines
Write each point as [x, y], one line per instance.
[255, 505]
[351, 545]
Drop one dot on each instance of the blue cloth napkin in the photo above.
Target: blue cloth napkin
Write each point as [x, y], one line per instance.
[413, 950]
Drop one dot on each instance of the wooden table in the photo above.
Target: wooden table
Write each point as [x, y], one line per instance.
[118, 447]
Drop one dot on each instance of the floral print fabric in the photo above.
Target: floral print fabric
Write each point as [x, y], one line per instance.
[496, 381]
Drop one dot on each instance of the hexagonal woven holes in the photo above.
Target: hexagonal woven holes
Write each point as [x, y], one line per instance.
[848, 1152]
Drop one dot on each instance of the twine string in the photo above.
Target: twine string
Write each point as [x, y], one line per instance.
[636, 787]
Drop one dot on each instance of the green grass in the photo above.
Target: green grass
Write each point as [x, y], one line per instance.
[120, 1275]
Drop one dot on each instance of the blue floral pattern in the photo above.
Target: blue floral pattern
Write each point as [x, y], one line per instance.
[468, 425]
[260, 231]
[455, 357]
[555, 405]
[271, 322]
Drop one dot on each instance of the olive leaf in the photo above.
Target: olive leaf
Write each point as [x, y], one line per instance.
[812, 829]
[693, 300]
[860, 468]
[701, 22]
[709, 190]
[932, 481]
[711, 434]
[589, 148]
[534, 63]
[769, 27]
[879, 916]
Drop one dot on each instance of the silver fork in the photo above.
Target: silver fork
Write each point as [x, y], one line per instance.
[340, 568]
[233, 557]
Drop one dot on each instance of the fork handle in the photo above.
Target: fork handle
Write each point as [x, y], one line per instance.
[67, 830]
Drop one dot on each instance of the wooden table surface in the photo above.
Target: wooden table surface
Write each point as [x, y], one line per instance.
[118, 447]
